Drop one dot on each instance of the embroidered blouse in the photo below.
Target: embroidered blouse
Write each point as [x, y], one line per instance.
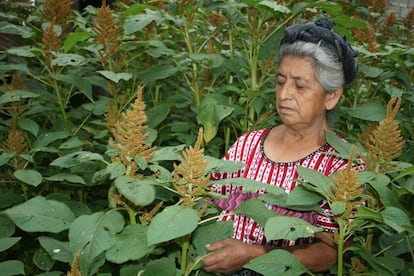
[249, 149]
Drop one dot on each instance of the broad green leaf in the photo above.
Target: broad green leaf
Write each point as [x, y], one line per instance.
[221, 165]
[13, 267]
[93, 235]
[41, 215]
[5, 157]
[172, 222]
[338, 207]
[75, 159]
[69, 60]
[29, 125]
[373, 111]
[74, 38]
[31, 177]
[379, 182]
[214, 59]
[396, 244]
[42, 260]
[115, 77]
[116, 169]
[371, 72]
[395, 218]
[167, 153]
[46, 138]
[274, 6]
[69, 177]
[7, 227]
[369, 214]
[57, 250]
[16, 95]
[158, 267]
[302, 199]
[321, 182]
[375, 263]
[157, 114]
[209, 233]
[130, 245]
[23, 51]
[72, 143]
[139, 191]
[256, 209]
[21, 30]
[138, 22]
[6, 243]
[288, 228]
[277, 262]
[84, 85]
[342, 147]
[21, 67]
[212, 112]
[9, 197]
[158, 72]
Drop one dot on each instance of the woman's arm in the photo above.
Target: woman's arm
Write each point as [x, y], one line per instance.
[230, 255]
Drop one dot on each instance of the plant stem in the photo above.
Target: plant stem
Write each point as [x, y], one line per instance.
[341, 242]
[184, 250]
[132, 218]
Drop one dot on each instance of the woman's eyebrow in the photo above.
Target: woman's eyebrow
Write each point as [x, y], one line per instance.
[300, 78]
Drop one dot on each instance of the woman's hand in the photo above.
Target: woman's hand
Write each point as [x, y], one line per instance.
[229, 255]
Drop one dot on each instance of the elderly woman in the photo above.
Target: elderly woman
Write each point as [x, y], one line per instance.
[315, 67]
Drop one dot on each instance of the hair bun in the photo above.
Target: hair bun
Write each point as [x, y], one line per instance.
[324, 23]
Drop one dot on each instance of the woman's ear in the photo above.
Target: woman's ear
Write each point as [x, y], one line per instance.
[332, 98]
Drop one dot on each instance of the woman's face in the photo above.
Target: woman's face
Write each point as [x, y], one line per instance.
[300, 99]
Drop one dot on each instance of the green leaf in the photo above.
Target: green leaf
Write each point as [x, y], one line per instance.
[29, 125]
[173, 222]
[116, 169]
[369, 214]
[288, 228]
[274, 6]
[379, 183]
[7, 227]
[342, 147]
[31, 177]
[371, 72]
[75, 159]
[167, 153]
[221, 165]
[72, 143]
[139, 191]
[84, 85]
[21, 67]
[130, 245]
[41, 215]
[42, 260]
[13, 267]
[214, 59]
[338, 207]
[277, 262]
[57, 250]
[23, 51]
[256, 209]
[157, 114]
[209, 233]
[5, 157]
[302, 199]
[373, 111]
[395, 218]
[46, 138]
[73, 38]
[211, 113]
[69, 60]
[158, 72]
[6, 243]
[16, 95]
[162, 266]
[69, 177]
[93, 235]
[318, 180]
[115, 77]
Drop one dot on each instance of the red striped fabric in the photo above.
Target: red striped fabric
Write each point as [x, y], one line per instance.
[249, 149]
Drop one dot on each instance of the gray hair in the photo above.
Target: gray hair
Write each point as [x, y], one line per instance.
[328, 70]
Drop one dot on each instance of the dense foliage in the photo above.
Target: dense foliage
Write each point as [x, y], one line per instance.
[113, 118]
